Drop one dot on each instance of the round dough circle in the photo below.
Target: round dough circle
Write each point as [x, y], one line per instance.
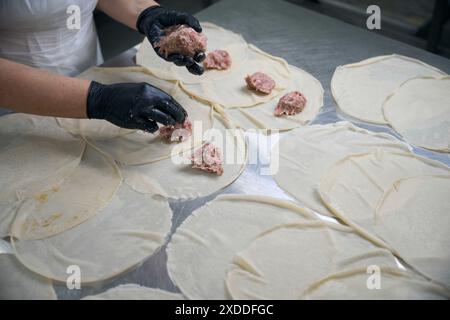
[413, 217]
[360, 89]
[34, 152]
[202, 248]
[130, 229]
[283, 262]
[420, 111]
[135, 292]
[306, 153]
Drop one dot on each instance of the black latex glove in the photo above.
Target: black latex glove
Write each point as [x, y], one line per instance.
[152, 22]
[133, 105]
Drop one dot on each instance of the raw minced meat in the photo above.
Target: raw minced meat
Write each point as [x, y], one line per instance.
[217, 59]
[181, 39]
[260, 82]
[290, 104]
[179, 132]
[208, 158]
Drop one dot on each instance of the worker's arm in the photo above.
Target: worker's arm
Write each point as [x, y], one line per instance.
[151, 19]
[129, 105]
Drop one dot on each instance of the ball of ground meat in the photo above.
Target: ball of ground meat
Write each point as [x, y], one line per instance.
[260, 82]
[290, 104]
[208, 158]
[181, 39]
[217, 59]
[177, 133]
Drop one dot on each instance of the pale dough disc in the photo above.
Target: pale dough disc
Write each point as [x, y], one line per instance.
[360, 89]
[34, 151]
[230, 90]
[175, 178]
[218, 38]
[19, 283]
[420, 111]
[353, 186]
[130, 229]
[413, 217]
[305, 154]
[202, 248]
[395, 284]
[57, 208]
[135, 292]
[283, 262]
[261, 116]
[101, 129]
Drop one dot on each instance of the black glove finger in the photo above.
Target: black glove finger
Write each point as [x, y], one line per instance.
[145, 124]
[195, 69]
[172, 107]
[185, 18]
[158, 116]
[199, 57]
[178, 59]
[155, 34]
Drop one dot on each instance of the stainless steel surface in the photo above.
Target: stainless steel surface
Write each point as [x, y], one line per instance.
[313, 42]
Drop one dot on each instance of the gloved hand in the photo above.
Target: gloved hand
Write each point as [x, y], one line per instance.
[133, 105]
[152, 22]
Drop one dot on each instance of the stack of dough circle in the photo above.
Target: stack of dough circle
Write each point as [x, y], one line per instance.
[360, 89]
[34, 153]
[202, 248]
[420, 111]
[305, 154]
[135, 292]
[359, 189]
[284, 262]
[127, 231]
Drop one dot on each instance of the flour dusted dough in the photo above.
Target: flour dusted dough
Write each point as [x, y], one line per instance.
[175, 178]
[308, 152]
[420, 111]
[262, 116]
[57, 208]
[218, 38]
[130, 229]
[283, 262]
[135, 292]
[34, 151]
[395, 284]
[19, 283]
[360, 89]
[202, 248]
[413, 217]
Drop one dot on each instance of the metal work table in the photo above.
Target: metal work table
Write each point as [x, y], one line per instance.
[313, 42]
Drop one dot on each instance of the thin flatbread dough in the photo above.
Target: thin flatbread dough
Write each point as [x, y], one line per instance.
[231, 91]
[420, 111]
[202, 248]
[34, 151]
[130, 229]
[262, 115]
[395, 284]
[360, 89]
[353, 186]
[135, 292]
[218, 38]
[82, 195]
[283, 262]
[175, 178]
[305, 154]
[413, 217]
[19, 283]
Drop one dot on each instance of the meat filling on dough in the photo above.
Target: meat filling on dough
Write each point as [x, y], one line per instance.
[208, 158]
[260, 82]
[290, 104]
[217, 59]
[177, 133]
[181, 39]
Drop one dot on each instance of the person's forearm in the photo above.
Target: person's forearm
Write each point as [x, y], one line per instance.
[125, 11]
[29, 90]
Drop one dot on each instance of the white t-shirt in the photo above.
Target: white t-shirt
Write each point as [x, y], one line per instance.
[40, 33]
